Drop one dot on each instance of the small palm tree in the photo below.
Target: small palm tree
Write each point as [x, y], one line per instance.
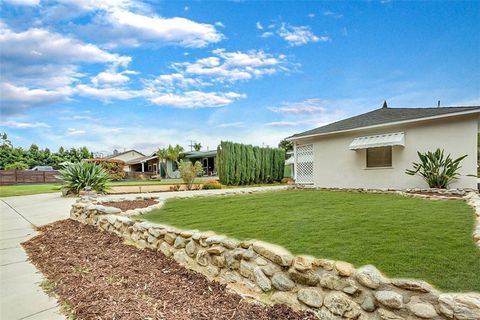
[197, 146]
[6, 143]
[436, 169]
[162, 155]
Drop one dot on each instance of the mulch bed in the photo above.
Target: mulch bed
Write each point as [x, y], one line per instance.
[130, 204]
[100, 277]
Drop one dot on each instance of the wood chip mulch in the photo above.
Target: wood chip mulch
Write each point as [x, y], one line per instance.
[130, 204]
[100, 277]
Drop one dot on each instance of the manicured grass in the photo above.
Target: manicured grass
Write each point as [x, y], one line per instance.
[403, 237]
[25, 189]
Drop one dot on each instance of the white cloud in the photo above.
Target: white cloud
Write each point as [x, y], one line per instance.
[259, 25]
[219, 24]
[110, 77]
[181, 88]
[233, 66]
[175, 30]
[196, 99]
[332, 14]
[75, 132]
[24, 125]
[307, 106]
[15, 99]
[238, 124]
[39, 46]
[307, 113]
[283, 123]
[105, 94]
[311, 15]
[297, 36]
[267, 34]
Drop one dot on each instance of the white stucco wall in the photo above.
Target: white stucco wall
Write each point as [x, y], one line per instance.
[337, 166]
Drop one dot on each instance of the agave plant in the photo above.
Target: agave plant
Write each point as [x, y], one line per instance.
[82, 174]
[436, 169]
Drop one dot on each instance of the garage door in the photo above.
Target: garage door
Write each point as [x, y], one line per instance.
[304, 165]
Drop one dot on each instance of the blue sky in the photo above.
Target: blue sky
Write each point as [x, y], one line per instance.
[129, 74]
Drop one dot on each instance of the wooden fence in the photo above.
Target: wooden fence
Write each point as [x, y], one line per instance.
[8, 177]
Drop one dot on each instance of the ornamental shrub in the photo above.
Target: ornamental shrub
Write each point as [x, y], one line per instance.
[436, 169]
[189, 171]
[113, 167]
[240, 164]
[83, 174]
[213, 184]
[16, 166]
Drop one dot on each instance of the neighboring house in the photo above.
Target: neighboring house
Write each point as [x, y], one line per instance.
[151, 164]
[373, 150]
[126, 156]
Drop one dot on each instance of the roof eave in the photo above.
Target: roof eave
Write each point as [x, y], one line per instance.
[294, 138]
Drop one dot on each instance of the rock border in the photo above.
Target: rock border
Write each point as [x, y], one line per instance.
[271, 274]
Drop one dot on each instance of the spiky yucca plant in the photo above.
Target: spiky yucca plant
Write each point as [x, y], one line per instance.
[436, 169]
[82, 174]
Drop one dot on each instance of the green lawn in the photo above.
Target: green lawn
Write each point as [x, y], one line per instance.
[25, 189]
[403, 237]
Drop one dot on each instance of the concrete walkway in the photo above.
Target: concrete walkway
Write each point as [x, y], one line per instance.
[20, 294]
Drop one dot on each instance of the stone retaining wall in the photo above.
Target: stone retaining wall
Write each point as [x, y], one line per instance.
[269, 273]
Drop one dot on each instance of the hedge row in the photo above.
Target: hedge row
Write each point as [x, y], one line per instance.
[240, 164]
[113, 167]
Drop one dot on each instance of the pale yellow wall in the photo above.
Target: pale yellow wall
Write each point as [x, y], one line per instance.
[131, 155]
[337, 166]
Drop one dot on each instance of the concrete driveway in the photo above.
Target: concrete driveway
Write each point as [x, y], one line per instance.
[20, 294]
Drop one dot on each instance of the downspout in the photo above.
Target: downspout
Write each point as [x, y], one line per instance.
[295, 161]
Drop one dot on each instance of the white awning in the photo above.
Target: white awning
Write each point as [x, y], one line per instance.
[381, 140]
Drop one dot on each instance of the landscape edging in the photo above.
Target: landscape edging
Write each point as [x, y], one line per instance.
[272, 274]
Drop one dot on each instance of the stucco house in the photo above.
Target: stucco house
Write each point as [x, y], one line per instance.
[373, 150]
[126, 156]
[151, 164]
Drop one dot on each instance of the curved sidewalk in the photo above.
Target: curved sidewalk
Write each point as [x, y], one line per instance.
[20, 294]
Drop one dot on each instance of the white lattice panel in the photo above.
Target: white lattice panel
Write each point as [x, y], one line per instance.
[304, 165]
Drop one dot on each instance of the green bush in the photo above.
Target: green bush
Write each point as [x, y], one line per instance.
[16, 166]
[436, 169]
[240, 164]
[112, 166]
[83, 174]
[189, 171]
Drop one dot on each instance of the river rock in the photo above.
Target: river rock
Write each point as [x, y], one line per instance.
[179, 243]
[412, 285]
[191, 248]
[261, 279]
[369, 276]
[390, 299]
[339, 304]
[344, 269]
[282, 282]
[422, 310]
[311, 297]
[273, 253]
[203, 257]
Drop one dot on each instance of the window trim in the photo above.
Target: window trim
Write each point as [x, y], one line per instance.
[383, 166]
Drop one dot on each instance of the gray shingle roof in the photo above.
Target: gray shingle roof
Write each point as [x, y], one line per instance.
[384, 116]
